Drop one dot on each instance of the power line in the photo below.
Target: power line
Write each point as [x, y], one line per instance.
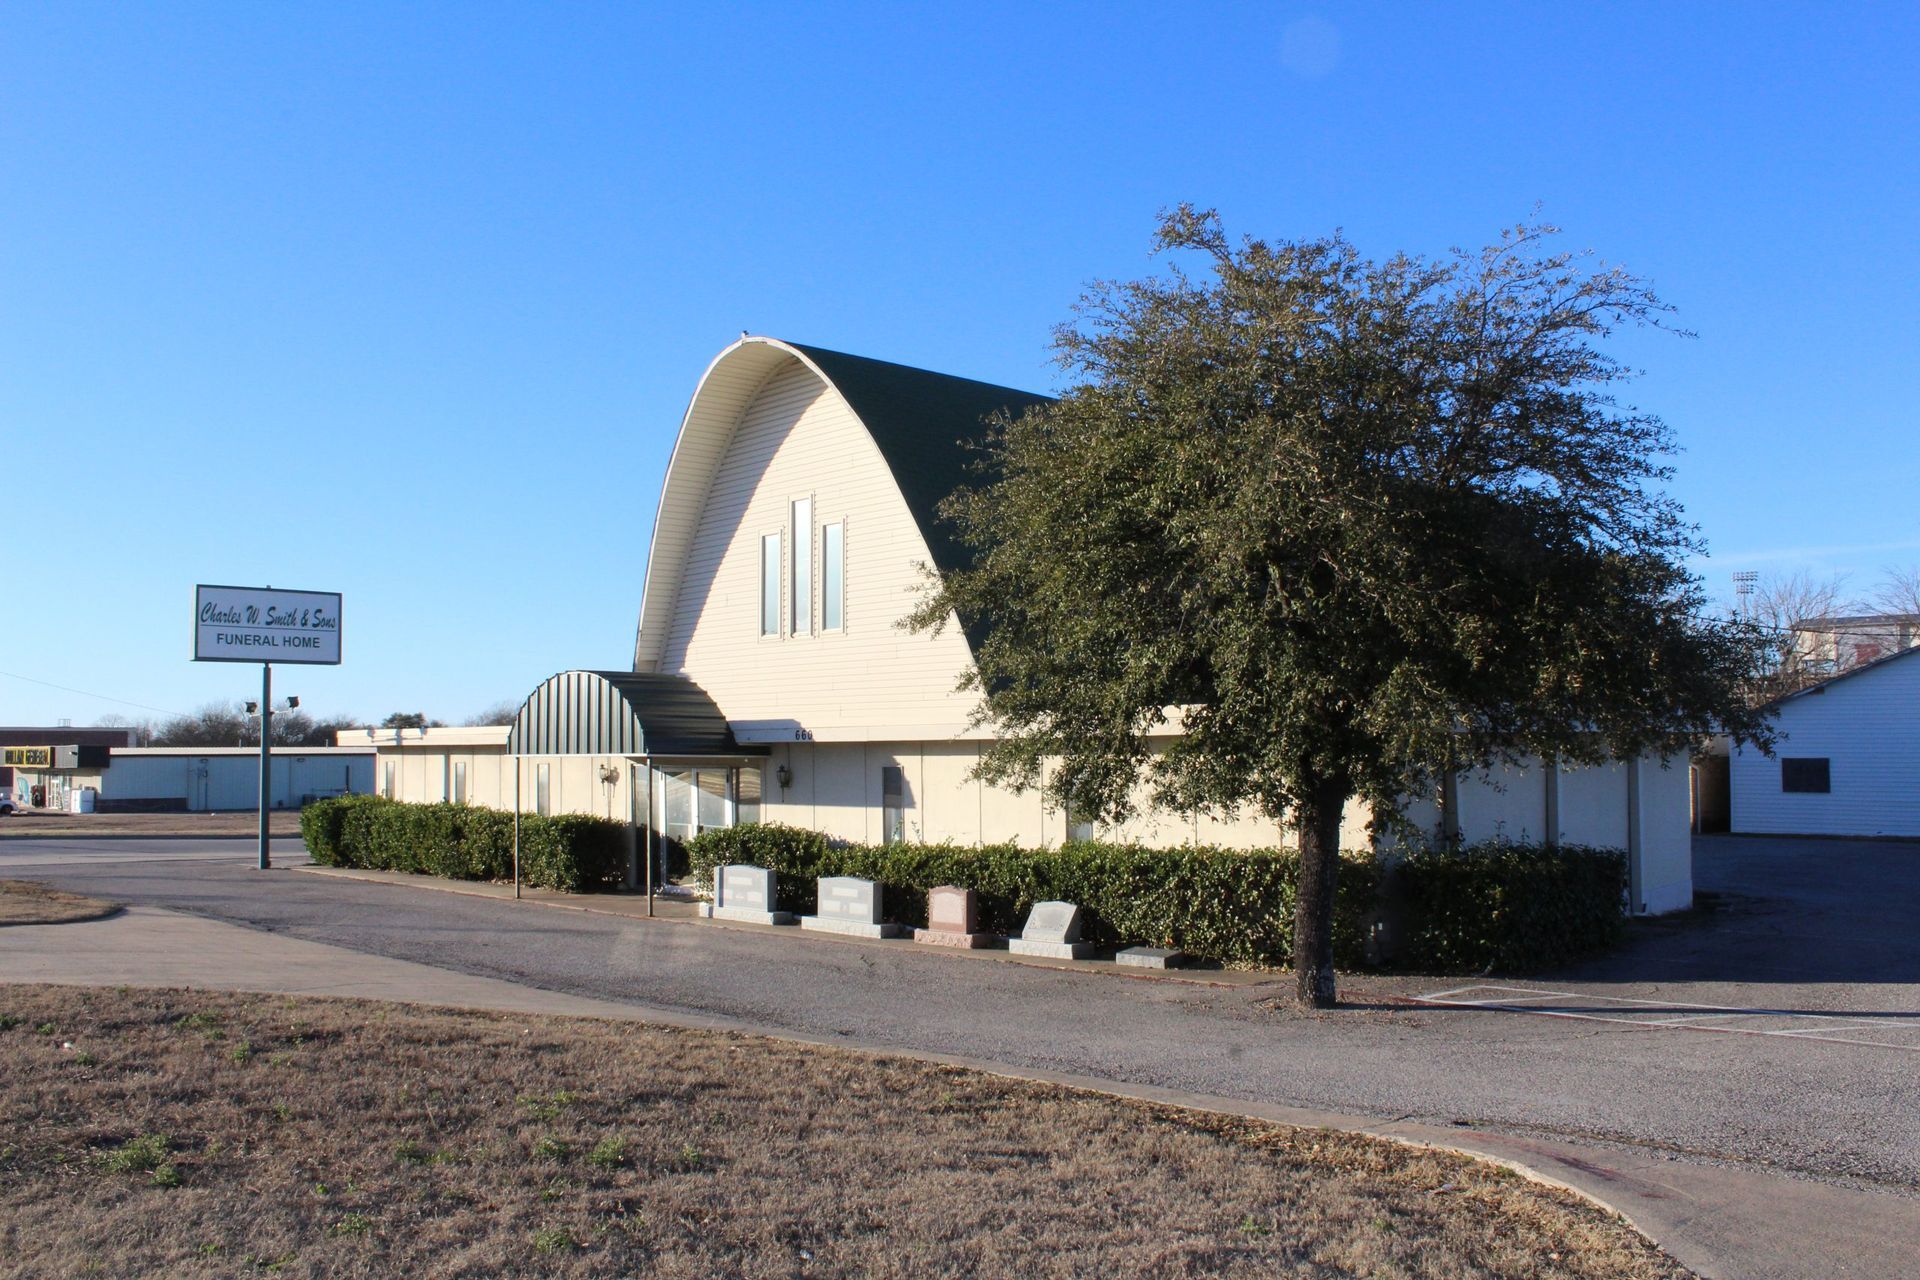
[87, 693]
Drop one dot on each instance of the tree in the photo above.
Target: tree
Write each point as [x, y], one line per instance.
[1899, 593]
[1352, 524]
[411, 720]
[1778, 607]
[142, 730]
[218, 724]
[228, 724]
[498, 713]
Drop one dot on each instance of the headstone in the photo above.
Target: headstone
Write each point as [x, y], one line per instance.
[953, 916]
[1152, 958]
[850, 905]
[744, 893]
[1052, 929]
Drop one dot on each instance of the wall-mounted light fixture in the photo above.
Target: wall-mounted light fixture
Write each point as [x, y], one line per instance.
[784, 776]
[609, 774]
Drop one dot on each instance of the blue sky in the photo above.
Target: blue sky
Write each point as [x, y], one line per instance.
[406, 301]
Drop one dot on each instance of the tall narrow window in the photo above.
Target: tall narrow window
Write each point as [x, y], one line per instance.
[893, 804]
[459, 781]
[389, 786]
[803, 567]
[1078, 826]
[770, 585]
[746, 796]
[833, 575]
[543, 789]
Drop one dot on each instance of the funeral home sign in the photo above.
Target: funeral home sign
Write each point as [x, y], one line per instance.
[260, 624]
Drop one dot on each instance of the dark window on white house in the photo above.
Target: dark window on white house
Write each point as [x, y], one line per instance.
[893, 804]
[1809, 773]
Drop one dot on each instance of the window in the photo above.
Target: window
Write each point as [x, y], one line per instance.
[1078, 828]
[770, 585]
[543, 789]
[710, 787]
[746, 796]
[388, 789]
[803, 567]
[1811, 774]
[833, 571]
[893, 804]
[459, 781]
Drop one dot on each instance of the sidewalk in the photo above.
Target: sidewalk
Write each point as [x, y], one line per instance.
[1721, 1222]
[682, 911]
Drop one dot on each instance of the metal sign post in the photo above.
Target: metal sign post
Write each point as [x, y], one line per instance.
[266, 761]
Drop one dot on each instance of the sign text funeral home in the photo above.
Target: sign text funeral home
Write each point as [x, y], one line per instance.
[259, 624]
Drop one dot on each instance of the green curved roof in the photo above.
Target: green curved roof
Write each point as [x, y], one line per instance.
[922, 422]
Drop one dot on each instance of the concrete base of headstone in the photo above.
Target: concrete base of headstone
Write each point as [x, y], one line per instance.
[749, 915]
[952, 938]
[852, 928]
[1151, 958]
[1052, 950]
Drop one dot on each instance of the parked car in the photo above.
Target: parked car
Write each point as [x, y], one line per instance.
[6, 804]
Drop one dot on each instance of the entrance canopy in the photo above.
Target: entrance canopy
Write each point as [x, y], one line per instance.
[622, 713]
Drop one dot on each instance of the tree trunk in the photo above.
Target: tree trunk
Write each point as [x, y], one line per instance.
[1319, 821]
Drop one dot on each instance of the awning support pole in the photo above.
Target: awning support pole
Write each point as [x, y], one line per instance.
[649, 772]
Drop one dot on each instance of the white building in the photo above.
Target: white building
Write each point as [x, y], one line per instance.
[195, 779]
[1847, 762]
[772, 678]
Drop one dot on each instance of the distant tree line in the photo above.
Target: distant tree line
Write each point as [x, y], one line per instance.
[229, 724]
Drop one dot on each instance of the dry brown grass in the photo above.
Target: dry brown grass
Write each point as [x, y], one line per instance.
[24, 902]
[190, 1134]
[30, 823]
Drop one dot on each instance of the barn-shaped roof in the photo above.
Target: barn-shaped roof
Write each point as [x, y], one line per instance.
[919, 421]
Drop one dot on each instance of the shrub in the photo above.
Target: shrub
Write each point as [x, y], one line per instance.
[1221, 904]
[573, 852]
[1510, 907]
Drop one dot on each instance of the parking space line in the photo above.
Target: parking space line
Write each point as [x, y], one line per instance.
[1826, 1028]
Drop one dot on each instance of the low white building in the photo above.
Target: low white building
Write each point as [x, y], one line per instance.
[195, 779]
[772, 678]
[1847, 762]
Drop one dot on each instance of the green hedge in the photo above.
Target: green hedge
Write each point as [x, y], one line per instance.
[573, 852]
[1509, 907]
[1466, 910]
[1224, 905]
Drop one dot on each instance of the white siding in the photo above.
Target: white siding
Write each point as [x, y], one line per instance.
[1593, 805]
[870, 681]
[1507, 802]
[1665, 838]
[1868, 727]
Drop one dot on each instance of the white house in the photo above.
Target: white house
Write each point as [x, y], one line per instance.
[1848, 759]
[772, 678]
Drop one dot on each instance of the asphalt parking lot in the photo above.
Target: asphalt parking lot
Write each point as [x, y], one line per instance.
[1834, 1107]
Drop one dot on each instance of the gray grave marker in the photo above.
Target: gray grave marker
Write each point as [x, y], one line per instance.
[1052, 929]
[746, 893]
[1152, 958]
[850, 905]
